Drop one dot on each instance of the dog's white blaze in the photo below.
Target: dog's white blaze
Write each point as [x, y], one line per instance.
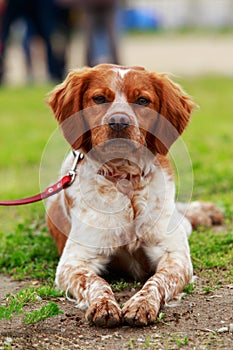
[120, 98]
[122, 72]
[120, 103]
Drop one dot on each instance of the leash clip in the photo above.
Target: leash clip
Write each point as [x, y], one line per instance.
[73, 171]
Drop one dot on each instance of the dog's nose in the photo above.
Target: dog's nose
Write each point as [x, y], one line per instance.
[118, 121]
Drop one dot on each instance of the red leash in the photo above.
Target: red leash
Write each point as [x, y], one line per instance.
[65, 182]
[51, 190]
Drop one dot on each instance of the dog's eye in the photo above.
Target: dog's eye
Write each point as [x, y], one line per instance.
[99, 99]
[142, 101]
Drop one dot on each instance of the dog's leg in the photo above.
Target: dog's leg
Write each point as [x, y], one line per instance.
[201, 213]
[173, 273]
[78, 274]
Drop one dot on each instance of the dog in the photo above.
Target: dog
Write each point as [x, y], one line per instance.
[120, 212]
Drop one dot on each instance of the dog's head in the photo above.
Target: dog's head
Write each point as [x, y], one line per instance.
[97, 105]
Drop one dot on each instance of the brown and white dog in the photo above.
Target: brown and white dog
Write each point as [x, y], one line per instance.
[120, 212]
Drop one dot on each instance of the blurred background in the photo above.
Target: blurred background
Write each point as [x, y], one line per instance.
[40, 41]
[43, 39]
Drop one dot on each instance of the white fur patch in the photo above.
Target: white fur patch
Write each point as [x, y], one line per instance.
[122, 72]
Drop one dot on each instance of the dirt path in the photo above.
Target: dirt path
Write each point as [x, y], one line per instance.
[179, 54]
[182, 55]
[9, 285]
[200, 321]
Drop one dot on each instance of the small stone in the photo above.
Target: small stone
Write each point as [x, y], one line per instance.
[140, 340]
[223, 330]
[104, 337]
[38, 298]
[118, 336]
[231, 327]
[34, 283]
[8, 341]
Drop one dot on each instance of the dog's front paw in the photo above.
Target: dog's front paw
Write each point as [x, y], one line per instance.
[104, 313]
[140, 311]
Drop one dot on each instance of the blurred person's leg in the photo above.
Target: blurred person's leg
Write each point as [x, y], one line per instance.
[13, 10]
[45, 14]
[30, 33]
[101, 32]
[61, 38]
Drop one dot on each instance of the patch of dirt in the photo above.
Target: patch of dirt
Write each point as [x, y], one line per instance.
[199, 321]
[9, 285]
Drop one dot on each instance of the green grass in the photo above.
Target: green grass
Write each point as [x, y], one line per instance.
[26, 123]
[209, 138]
[27, 251]
[211, 250]
[121, 285]
[16, 303]
[49, 310]
[24, 117]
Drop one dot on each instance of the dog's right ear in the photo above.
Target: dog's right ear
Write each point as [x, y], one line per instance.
[66, 101]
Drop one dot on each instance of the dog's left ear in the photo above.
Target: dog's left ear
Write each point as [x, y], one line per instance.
[173, 114]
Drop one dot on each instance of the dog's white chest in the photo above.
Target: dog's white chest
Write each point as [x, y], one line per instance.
[120, 212]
